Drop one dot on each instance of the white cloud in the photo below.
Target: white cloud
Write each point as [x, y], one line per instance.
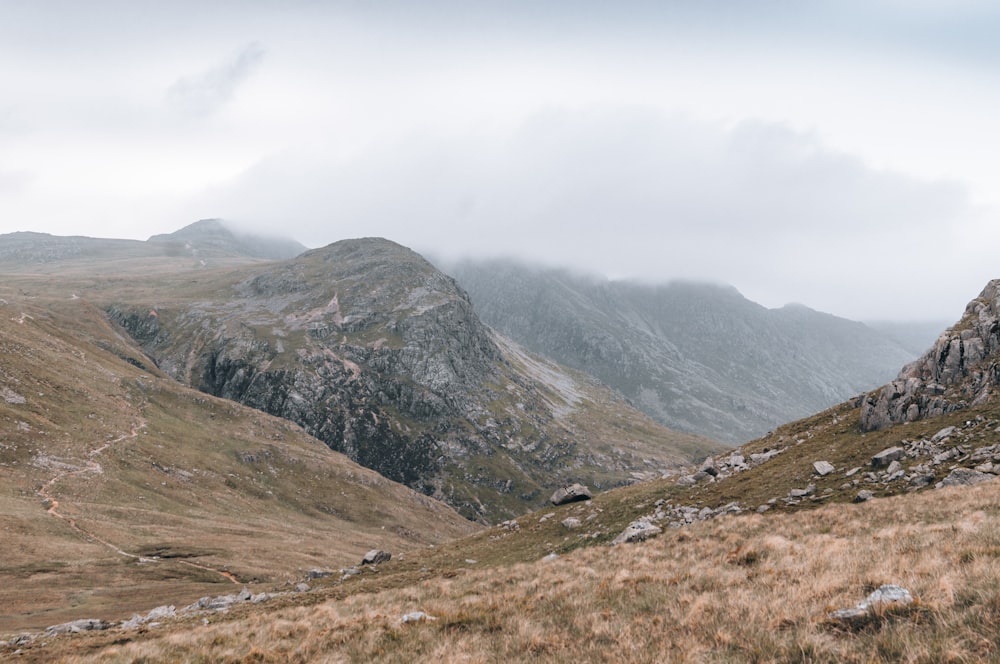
[208, 91]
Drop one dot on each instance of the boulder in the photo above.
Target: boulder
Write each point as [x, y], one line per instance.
[376, 557]
[887, 456]
[965, 477]
[863, 496]
[570, 494]
[823, 468]
[571, 523]
[637, 531]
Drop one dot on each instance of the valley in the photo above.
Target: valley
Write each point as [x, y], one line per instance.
[181, 444]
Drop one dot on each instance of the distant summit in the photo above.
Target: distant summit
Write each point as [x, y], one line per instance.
[213, 236]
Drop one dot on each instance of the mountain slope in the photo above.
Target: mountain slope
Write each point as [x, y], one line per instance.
[381, 356]
[695, 357]
[120, 489]
[372, 350]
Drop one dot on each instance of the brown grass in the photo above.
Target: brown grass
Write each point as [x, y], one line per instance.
[751, 588]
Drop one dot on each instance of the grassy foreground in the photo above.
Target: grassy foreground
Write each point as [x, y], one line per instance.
[747, 588]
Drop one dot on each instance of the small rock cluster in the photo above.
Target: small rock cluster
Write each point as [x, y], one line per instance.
[721, 467]
[920, 463]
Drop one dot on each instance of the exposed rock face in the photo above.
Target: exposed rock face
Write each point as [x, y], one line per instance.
[961, 370]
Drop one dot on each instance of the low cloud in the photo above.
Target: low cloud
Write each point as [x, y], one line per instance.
[205, 93]
[628, 193]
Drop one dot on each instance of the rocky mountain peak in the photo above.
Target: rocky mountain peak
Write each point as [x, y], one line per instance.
[962, 369]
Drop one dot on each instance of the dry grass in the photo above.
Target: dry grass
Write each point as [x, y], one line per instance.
[752, 588]
[140, 466]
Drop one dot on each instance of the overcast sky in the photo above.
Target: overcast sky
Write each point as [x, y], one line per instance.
[843, 154]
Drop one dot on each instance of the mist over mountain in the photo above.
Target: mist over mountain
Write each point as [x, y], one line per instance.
[696, 357]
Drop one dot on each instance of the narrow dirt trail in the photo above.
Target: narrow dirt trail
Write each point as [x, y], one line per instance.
[45, 493]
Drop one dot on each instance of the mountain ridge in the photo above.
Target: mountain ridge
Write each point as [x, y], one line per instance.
[694, 356]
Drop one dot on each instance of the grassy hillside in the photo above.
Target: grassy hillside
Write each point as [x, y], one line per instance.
[743, 586]
[753, 588]
[120, 488]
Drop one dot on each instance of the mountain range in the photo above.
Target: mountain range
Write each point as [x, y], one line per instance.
[695, 357]
[119, 477]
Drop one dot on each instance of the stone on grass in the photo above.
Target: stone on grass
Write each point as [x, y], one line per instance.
[942, 434]
[637, 531]
[863, 496]
[886, 599]
[887, 456]
[570, 494]
[571, 523]
[75, 626]
[376, 557]
[417, 617]
[965, 477]
[823, 468]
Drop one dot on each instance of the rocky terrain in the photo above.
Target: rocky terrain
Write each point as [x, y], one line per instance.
[695, 357]
[961, 370]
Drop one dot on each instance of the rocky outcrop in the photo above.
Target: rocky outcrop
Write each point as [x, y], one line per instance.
[961, 369]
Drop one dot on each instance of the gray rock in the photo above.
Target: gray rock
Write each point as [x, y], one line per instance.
[417, 617]
[965, 477]
[947, 432]
[637, 531]
[570, 494]
[302, 588]
[823, 468]
[376, 557]
[921, 480]
[894, 467]
[318, 574]
[708, 466]
[83, 625]
[863, 496]
[571, 523]
[852, 471]
[550, 557]
[887, 456]
[886, 598]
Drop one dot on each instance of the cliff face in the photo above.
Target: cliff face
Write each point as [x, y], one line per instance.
[695, 357]
[961, 369]
[373, 351]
